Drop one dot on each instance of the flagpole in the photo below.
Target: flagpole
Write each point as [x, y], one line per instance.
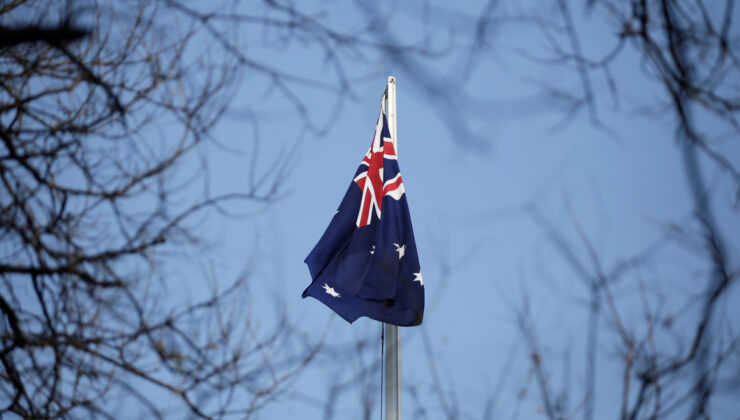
[392, 368]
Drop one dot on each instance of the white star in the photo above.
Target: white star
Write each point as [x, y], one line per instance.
[401, 250]
[330, 290]
[372, 251]
[418, 278]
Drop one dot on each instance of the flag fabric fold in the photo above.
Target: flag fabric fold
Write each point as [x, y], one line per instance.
[366, 263]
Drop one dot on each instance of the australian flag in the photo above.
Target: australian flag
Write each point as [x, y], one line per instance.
[366, 263]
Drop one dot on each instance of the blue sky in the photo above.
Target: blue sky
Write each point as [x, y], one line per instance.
[473, 159]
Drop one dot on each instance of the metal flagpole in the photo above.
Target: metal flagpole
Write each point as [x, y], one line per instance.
[392, 368]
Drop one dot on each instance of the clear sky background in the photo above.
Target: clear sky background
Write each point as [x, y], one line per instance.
[499, 177]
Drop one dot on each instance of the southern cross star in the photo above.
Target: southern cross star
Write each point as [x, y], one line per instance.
[401, 250]
[330, 290]
[418, 278]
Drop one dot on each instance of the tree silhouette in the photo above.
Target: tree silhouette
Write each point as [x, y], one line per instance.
[96, 205]
[689, 49]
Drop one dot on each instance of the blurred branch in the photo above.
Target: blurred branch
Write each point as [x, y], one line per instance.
[55, 35]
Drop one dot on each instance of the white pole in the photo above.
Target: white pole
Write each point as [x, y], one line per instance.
[392, 333]
[392, 111]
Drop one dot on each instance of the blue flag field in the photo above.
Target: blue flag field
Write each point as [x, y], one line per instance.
[366, 262]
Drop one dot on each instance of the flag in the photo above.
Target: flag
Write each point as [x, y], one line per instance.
[366, 262]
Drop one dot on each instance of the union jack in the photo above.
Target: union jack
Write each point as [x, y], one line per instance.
[371, 180]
